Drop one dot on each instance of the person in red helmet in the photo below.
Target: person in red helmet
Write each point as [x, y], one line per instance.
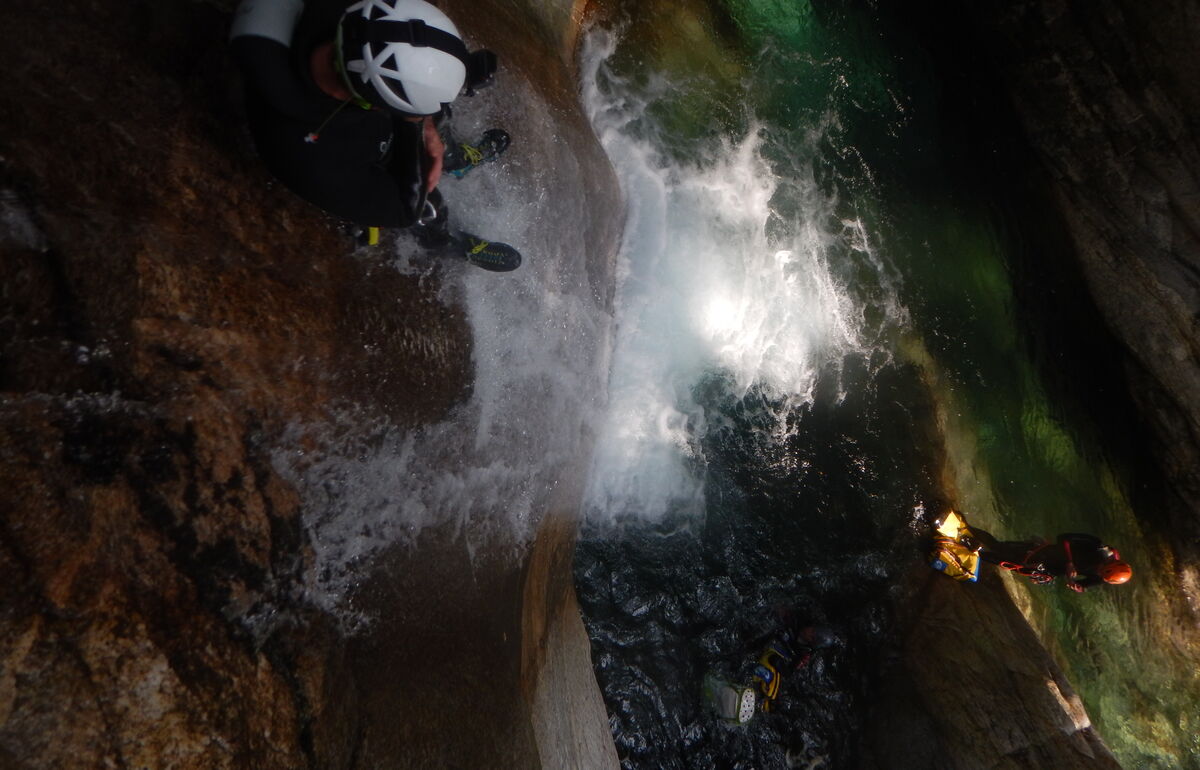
[1082, 560]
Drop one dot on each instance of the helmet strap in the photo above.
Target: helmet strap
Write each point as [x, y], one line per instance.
[415, 32]
[340, 66]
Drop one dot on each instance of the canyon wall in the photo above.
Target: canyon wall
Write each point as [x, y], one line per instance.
[1101, 103]
[1108, 96]
[168, 311]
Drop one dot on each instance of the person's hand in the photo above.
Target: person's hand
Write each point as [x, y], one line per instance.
[434, 150]
[1075, 587]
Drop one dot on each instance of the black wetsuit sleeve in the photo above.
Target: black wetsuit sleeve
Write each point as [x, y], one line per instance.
[1086, 556]
[271, 83]
[361, 165]
[1083, 553]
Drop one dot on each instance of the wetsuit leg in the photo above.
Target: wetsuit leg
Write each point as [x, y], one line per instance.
[985, 538]
[995, 551]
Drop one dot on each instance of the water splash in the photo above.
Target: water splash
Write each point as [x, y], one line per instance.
[488, 471]
[719, 273]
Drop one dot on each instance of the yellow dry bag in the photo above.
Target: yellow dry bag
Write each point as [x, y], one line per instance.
[949, 554]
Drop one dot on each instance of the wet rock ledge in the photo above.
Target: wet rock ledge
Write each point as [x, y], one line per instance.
[165, 311]
[971, 686]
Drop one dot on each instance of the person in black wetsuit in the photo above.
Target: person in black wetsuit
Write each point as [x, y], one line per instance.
[342, 101]
[1082, 560]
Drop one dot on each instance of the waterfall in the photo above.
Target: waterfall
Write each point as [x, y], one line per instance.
[716, 278]
[513, 448]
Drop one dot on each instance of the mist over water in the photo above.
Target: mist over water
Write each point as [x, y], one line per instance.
[714, 278]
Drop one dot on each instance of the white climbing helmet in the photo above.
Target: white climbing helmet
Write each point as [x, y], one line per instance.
[403, 54]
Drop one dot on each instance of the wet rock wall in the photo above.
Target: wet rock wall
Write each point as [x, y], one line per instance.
[1107, 95]
[1103, 100]
[166, 311]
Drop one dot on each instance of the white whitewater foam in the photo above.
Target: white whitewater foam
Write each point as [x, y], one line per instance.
[704, 288]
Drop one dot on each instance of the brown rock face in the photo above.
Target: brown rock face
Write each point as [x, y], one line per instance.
[973, 687]
[166, 310]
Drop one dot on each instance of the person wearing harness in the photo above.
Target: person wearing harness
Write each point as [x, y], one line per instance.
[1082, 560]
[343, 99]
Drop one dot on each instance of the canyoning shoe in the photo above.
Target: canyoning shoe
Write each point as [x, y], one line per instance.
[461, 158]
[497, 257]
[433, 233]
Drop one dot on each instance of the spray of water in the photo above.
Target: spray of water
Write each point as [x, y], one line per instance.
[489, 471]
[707, 285]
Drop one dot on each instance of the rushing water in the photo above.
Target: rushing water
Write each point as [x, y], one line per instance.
[489, 470]
[808, 280]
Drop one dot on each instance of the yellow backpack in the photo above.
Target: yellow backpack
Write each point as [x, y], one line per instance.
[949, 554]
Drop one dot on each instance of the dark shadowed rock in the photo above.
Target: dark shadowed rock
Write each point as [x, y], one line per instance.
[971, 686]
[1106, 96]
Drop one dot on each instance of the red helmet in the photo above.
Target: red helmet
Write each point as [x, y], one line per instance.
[1116, 572]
